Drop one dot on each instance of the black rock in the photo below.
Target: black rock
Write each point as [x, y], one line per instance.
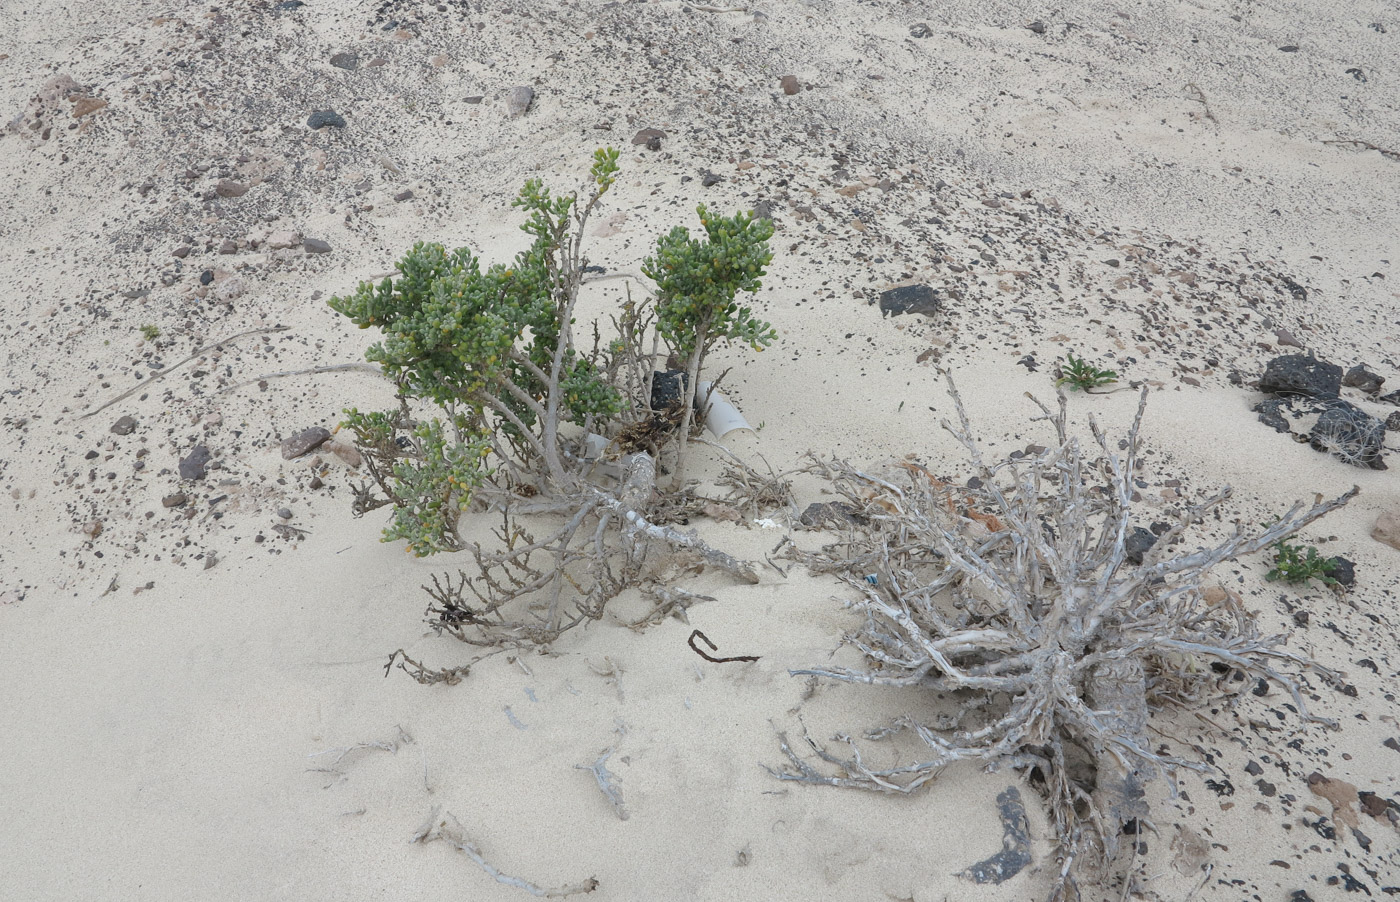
[323, 118]
[1392, 422]
[194, 465]
[909, 299]
[666, 389]
[347, 61]
[1138, 543]
[1359, 377]
[1298, 374]
[1391, 398]
[289, 5]
[304, 442]
[1350, 434]
[405, 194]
[709, 179]
[920, 30]
[1037, 26]
[1343, 571]
[1272, 413]
[124, 426]
[206, 277]
[1289, 48]
[315, 246]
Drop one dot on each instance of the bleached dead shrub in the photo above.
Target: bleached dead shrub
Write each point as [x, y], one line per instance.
[1016, 599]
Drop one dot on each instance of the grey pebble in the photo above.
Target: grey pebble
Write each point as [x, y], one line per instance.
[124, 426]
[518, 100]
[315, 246]
[176, 500]
[348, 61]
[304, 442]
[284, 513]
[195, 464]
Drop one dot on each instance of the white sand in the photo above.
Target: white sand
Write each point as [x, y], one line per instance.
[155, 744]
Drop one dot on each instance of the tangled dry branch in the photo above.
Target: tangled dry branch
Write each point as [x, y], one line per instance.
[1017, 597]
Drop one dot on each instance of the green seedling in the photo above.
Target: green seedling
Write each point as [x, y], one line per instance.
[1082, 376]
[150, 331]
[1295, 565]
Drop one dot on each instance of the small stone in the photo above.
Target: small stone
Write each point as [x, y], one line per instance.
[651, 137]
[206, 277]
[229, 290]
[86, 106]
[518, 100]
[284, 240]
[1287, 339]
[920, 30]
[789, 84]
[1392, 422]
[194, 465]
[909, 299]
[1299, 374]
[1361, 378]
[124, 426]
[474, 99]
[315, 246]
[1343, 571]
[284, 513]
[305, 442]
[403, 195]
[1037, 26]
[176, 500]
[1138, 543]
[348, 454]
[349, 61]
[1387, 529]
[1253, 769]
[182, 251]
[325, 118]
[228, 246]
[315, 483]
[230, 188]
[1289, 48]
[709, 179]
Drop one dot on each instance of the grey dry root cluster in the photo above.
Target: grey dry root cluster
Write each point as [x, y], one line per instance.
[1015, 601]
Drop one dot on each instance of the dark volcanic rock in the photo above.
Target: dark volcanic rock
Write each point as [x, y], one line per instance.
[315, 246]
[1343, 571]
[909, 299]
[124, 426]
[1351, 434]
[1338, 427]
[304, 442]
[1138, 543]
[324, 118]
[347, 61]
[1359, 377]
[194, 464]
[1299, 374]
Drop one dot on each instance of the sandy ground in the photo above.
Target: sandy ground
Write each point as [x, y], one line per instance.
[1168, 188]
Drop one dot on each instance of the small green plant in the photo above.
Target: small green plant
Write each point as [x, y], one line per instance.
[501, 407]
[1295, 565]
[150, 331]
[697, 281]
[1082, 376]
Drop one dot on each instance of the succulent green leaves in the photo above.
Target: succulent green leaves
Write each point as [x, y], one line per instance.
[698, 280]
